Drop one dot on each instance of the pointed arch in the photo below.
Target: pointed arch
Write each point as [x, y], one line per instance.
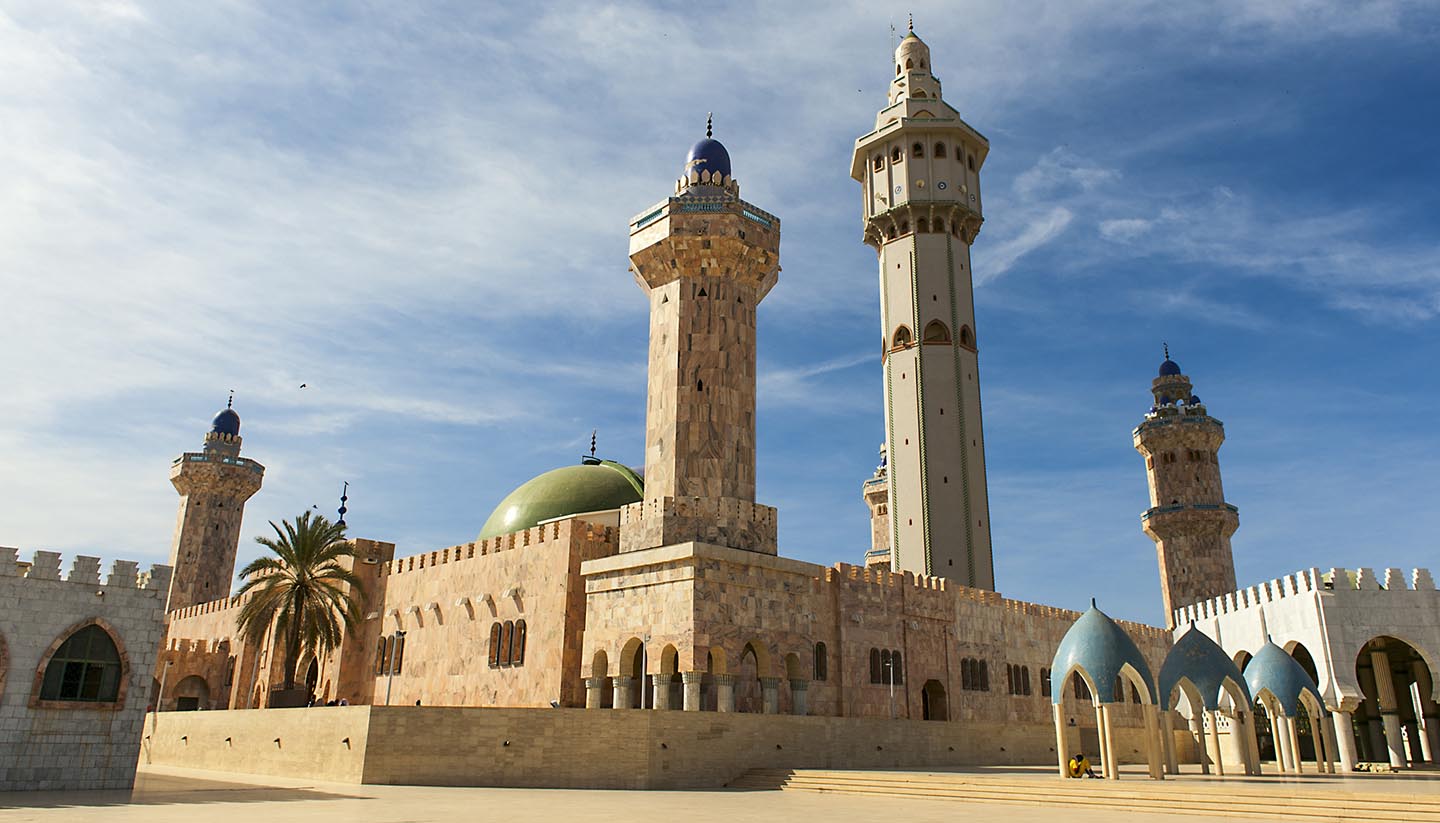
[70, 677]
[902, 337]
[967, 337]
[936, 332]
[939, 152]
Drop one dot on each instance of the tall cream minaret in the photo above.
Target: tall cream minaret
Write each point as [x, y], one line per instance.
[919, 172]
[213, 485]
[1188, 517]
[705, 259]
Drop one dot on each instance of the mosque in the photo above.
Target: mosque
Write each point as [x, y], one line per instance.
[662, 587]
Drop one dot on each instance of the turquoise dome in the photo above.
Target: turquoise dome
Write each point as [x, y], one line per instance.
[1272, 670]
[1196, 657]
[1098, 645]
[569, 490]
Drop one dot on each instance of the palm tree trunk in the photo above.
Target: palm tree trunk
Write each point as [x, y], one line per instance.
[292, 639]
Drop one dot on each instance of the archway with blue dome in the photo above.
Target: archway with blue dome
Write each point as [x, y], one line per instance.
[1286, 693]
[1216, 697]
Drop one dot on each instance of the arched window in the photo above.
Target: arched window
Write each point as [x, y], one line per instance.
[936, 332]
[922, 226]
[507, 637]
[909, 64]
[397, 653]
[86, 668]
[896, 155]
[902, 337]
[897, 68]
[899, 668]
[1025, 680]
[904, 226]
[970, 161]
[984, 676]
[920, 93]
[517, 644]
[1044, 682]
[967, 339]
[230, 671]
[1082, 689]
[380, 656]
[887, 666]
[939, 225]
[822, 662]
[917, 150]
[495, 632]
[1010, 678]
[940, 150]
[879, 162]
[874, 665]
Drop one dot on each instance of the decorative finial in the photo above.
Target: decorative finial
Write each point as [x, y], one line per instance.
[344, 496]
[709, 124]
[231, 401]
[1167, 350]
[593, 432]
[1092, 604]
[912, 23]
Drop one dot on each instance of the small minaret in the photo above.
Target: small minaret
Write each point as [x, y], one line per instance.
[213, 485]
[876, 492]
[919, 174]
[1188, 517]
[705, 259]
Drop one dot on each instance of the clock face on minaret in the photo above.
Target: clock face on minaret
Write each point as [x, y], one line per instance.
[919, 172]
[705, 259]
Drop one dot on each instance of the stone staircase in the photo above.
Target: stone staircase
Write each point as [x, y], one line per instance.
[1254, 798]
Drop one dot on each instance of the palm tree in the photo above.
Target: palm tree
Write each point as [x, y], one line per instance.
[303, 589]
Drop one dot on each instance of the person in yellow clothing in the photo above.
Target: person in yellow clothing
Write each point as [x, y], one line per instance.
[1080, 766]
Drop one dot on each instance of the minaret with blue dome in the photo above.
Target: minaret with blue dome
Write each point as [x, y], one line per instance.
[1188, 517]
[214, 484]
[705, 259]
[919, 174]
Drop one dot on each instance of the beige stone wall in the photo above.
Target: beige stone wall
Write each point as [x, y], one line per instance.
[569, 748]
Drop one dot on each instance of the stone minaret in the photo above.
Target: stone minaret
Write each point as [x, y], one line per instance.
[919, 172]
[876, 492]
[213, 485]
[1188, 517]
[705, 259]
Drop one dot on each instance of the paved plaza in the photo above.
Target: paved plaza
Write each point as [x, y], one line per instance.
[163, 795]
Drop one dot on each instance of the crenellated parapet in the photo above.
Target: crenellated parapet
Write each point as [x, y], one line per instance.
[85, 571]
[1337, 582]
[723, 521]
[545, 534]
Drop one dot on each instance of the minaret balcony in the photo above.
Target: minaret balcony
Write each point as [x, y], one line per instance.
[200, 457]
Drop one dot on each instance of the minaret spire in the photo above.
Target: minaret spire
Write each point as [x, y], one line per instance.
[344, 496]
[709, 124]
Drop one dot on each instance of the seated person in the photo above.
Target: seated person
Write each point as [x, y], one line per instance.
[1080, 766]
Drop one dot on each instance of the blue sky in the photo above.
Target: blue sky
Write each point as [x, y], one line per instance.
[420, 211]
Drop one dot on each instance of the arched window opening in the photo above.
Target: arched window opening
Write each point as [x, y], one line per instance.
[517, 644]
[1082, 689]
[699, 385]
[230, 671]
[495, 632]
[822, 662]
[921, 225]
[896, 155]
[984, 676]
[940, 150]
[939, 226]
[380, 656]
[897, 69]
[967, 338]
[902, 337]
[1025, 680]
[878, 163]
[970, 161]
[875, 675]
[85, 669]
[898, 666]
[917, 150]
[909, 64]
[507, 638]
[904, 226]
[936, 332]
[920, 93]
[1044, 682]
[397, 654]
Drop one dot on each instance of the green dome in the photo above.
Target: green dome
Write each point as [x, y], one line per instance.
[565, 491]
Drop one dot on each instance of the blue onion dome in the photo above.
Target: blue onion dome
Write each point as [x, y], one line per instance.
[226, 422]
[708, 155]
[1169, 368]
[1194, 399]
[1165, 400]
[1272, 670]
[1098, 645]
[1197, 658]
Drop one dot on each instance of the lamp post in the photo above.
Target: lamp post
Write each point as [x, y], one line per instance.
[890, 669]
[397, 641]
[160, 698]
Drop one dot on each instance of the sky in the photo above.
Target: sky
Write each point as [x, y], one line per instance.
[420, 212]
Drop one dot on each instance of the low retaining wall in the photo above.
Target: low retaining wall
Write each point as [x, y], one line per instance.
[573, 748]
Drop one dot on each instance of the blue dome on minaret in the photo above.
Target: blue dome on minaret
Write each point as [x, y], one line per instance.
[226, 422]
[708, 155]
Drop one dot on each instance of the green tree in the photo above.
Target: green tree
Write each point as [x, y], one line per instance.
[302, 588]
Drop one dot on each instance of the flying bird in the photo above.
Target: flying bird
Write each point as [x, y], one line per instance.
[303, 385]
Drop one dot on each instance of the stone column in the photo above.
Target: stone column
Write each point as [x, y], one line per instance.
[1215, 743]
[622, 691]
[1252, 739]
[724, 692]
[692, 682]
[799, 702]
[594, 692]
[1327, 736]
[1167, 728]
[1345, 739]
[1107, 755]
[1062, 740]
[1295, 754]
[1370, 717]
[1427, 715]
[1280, 730]
[1197, 731]
[1389, 709]
[1154, 746]
[770, 694]
[660, 683]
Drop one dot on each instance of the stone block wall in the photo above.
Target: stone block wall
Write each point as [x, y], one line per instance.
[55, 745]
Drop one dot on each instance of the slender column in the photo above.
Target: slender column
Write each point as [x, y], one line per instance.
[1280, 730]
[1427, 715]
[1153, 745]
[1172, 759]
[1389, 709]
[660, 683]
[692, 682]
[1215, 742]
[1294, 728]
[622, 692]
[1252, 739]
[594, 692]
[1326, 736]
[1345, 739]
[1370, 722]
[770, 694]
[1062, 741]
[1107, 749]
[1197, 731]
[799, 704]
[724, 692]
